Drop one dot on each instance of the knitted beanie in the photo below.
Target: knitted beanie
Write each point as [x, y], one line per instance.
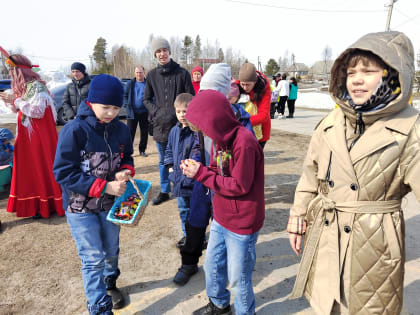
[106, 89]
[197, 69]
[159, 43]
[248, 73]
[217, 77]
[78, 66]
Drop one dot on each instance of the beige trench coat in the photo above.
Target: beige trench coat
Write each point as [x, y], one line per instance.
[354, 247]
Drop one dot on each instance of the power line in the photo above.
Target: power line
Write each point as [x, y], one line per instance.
[410, 19]
[303, 9]
[58, 59]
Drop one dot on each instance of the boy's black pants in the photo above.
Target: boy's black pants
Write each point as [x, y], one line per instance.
[193, 248]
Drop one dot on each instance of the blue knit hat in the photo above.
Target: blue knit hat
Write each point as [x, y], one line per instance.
[6, 135]
[106, 89]
[78, 66]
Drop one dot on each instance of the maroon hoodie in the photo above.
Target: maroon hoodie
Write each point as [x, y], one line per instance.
[238, 203]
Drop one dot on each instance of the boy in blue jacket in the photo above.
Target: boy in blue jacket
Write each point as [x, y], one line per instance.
[92, 164]
[179, 148]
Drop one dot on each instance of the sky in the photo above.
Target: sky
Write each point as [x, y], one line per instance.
[56, 33]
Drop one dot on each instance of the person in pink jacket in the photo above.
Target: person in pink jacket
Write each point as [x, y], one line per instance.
[236, 175]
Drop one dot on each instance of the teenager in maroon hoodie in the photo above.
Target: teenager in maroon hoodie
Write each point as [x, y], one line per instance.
[236, 175]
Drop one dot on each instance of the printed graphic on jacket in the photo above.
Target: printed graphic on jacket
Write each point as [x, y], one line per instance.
[96, 164]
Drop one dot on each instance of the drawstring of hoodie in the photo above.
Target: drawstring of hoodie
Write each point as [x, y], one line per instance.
[359, 128]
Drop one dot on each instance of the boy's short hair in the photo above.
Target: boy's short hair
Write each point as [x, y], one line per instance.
[183, 100]
[351, 59]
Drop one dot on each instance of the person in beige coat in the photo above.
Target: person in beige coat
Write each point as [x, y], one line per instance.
[364, 157]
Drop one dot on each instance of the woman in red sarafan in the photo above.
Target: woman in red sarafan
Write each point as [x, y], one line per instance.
[34, 191]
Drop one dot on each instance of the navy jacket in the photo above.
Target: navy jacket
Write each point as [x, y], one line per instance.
[88, 155]
[180, 145]
[129, 98]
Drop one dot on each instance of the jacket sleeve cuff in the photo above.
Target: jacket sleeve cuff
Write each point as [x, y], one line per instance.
[97, 188]
[296, 225]
[128, 167]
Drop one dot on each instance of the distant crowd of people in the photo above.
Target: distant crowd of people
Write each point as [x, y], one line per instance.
[210, 131]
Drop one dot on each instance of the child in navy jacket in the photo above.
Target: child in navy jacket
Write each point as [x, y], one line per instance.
[179, 148]
[92, 164]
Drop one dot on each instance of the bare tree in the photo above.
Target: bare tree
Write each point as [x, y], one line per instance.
[326, 58]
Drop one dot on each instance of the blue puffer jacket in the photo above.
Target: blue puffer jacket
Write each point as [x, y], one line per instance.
[180, 144]
[88, 155]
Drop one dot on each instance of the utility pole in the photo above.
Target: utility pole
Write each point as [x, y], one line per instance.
[388, 21]
[259, 68]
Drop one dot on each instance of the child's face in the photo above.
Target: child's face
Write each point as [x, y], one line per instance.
[362, 81]
[196, 76]
[105, 113]
[180, 111]
[233, 99]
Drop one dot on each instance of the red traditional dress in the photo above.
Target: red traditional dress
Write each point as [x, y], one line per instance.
[33, 188]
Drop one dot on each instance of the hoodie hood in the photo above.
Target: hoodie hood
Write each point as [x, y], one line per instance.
[217, 77]
[396, 50]
[211, 112]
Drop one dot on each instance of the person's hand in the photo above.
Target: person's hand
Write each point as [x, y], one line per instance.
[7, 98]
[189, 167]
[115, 188]
[295, 242]
[123, 175]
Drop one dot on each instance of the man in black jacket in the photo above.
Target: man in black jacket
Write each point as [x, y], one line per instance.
[163, 85]
[77, 90]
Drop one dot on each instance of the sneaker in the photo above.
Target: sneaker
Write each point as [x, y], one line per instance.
[181, 242]
[184, 274]
[117, 297]
[290, 116]
[162, 197]
[144, 154]
[280, 116]
[211, 309]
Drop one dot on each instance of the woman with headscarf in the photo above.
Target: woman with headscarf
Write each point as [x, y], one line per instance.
[34, 191]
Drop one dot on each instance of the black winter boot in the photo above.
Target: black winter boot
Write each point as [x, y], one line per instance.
[114, 293]
[211, 309]
[184, 274]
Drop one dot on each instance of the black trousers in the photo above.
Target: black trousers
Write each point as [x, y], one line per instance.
[282, 104]
[193, 248]
[272, 109]
[291, 107]
[143, 122]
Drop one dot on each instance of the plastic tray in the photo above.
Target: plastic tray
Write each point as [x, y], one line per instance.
[145, 187]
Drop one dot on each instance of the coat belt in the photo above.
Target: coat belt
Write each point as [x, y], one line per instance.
[326, 204]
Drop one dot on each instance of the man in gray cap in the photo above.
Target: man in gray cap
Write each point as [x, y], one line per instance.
[163, 85]
[77, 90]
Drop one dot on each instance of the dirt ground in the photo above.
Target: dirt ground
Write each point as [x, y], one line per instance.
[39, 266]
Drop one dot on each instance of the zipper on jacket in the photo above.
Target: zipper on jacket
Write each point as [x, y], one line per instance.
[109, 163]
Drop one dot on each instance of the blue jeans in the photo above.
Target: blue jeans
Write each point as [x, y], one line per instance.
[165, 185]
[230, 256]
[184, 210]
[97, 242]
